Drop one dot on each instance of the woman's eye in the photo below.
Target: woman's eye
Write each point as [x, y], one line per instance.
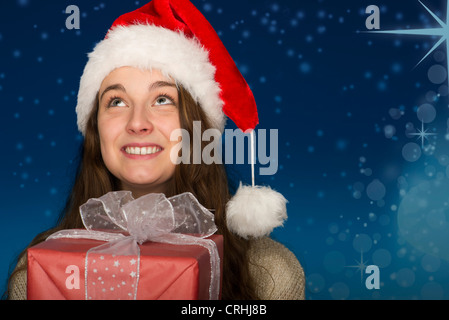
[163, 101]
[117, 103]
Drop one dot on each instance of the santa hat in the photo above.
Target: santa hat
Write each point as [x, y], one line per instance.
[173, 37]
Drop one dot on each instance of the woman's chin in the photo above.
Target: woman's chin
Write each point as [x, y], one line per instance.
[141, 187]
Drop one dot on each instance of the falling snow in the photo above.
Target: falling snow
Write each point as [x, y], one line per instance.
[363, 122]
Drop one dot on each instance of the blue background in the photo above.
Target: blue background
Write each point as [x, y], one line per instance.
[362, 190]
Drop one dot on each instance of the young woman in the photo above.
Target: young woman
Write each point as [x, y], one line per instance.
[159, 69]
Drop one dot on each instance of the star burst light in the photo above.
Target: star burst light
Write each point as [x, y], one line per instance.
[360, 266]
[422, 134]
[442, 32]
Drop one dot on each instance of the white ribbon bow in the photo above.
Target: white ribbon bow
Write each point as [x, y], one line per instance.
[125, 222]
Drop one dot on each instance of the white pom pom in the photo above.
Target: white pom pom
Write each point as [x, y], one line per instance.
[255, 211]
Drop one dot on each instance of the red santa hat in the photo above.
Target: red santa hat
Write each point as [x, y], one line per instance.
[173, 37]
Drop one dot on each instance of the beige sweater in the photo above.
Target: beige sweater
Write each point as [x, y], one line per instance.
[277, 273]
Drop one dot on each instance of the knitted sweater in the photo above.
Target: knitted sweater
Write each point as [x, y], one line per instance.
[277, 273]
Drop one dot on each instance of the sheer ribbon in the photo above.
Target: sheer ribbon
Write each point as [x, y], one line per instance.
[125, 222]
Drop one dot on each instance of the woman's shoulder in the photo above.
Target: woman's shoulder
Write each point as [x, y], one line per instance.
[18, 285]
[276, 271]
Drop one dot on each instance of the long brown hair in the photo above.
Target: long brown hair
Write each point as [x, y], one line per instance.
[209, 184]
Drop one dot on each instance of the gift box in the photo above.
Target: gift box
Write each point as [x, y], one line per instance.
[57, 269]
[148, 248]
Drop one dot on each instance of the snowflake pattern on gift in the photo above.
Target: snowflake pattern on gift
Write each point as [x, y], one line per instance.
[111, 277]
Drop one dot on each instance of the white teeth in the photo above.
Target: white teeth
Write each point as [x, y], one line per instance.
[142, 151]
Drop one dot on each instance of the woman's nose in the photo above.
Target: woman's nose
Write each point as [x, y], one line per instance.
[139, 122]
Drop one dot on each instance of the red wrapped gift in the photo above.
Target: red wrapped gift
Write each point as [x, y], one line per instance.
[149, 248]
[56, 271]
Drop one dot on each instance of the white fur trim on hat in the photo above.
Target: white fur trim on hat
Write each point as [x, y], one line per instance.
[254, 211]
[150, 47]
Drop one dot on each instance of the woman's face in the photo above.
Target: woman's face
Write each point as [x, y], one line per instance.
[138, 110]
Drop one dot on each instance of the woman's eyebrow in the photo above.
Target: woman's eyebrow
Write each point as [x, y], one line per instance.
[160, 84]
[153, 86]
[113, 87]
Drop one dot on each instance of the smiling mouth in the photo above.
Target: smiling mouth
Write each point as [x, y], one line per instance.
[142, 151]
